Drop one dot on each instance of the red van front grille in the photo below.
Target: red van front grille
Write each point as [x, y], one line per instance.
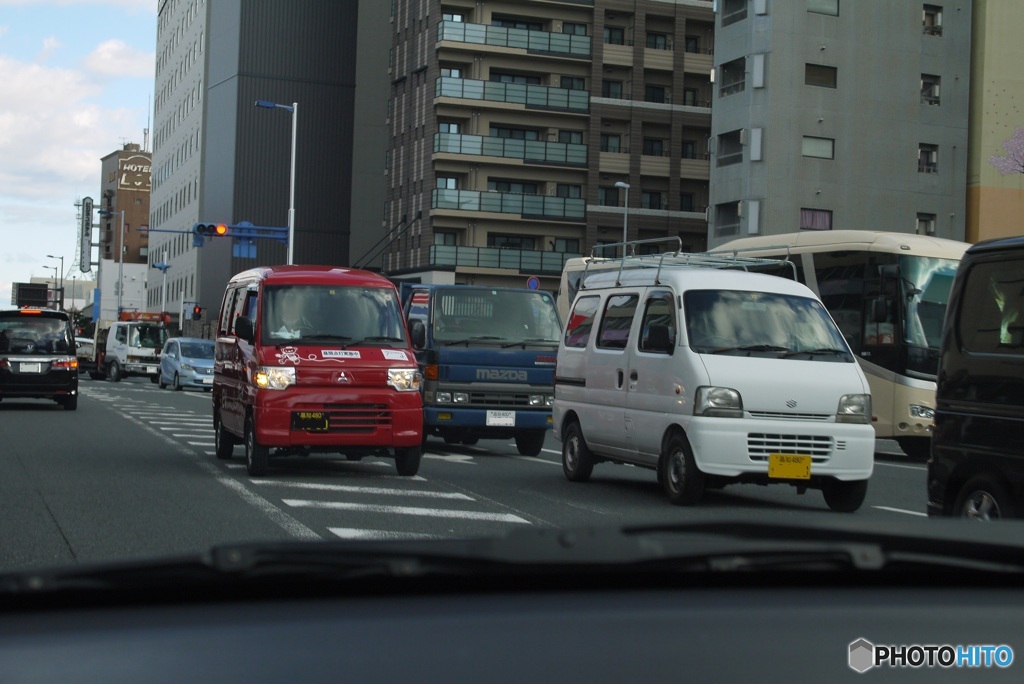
[357, 418]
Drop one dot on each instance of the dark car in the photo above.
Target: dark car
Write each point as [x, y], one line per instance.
[37, 356]
[976, 468]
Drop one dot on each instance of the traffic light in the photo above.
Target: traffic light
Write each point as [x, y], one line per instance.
[210, 229]
[197, 313]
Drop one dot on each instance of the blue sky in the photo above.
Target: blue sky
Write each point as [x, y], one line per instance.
[76, 82]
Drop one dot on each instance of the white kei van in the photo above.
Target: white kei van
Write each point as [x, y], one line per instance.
[712, 377]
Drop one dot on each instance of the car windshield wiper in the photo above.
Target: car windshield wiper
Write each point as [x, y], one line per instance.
[749, 348]
[530, 340]
[475, 338]
[822, 350]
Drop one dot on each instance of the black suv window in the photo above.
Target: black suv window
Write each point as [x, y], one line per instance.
[34, 331]
[993, 320]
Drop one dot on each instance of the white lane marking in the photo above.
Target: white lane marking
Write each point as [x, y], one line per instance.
[407, 510]
[202, 444]
[452, 458]
[534, 459]
[901, 510]
[364, 490]
[354, 533]
[197, 433]
[553, 451]
[900, 465]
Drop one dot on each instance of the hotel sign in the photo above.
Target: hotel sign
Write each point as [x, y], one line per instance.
[133, 173]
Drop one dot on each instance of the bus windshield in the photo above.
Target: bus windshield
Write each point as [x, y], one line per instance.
[926, 282]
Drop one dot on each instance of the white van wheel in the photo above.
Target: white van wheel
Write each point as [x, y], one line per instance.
[577, 461]
[678, 473]
[844, 497]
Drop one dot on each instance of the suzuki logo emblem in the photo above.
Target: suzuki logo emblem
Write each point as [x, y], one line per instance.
[791, 403]
[342, 377]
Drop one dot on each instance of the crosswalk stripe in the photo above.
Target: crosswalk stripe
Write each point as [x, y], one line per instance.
[356, 533]
[365, 490]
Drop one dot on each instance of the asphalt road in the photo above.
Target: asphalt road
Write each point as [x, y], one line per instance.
[132, 474]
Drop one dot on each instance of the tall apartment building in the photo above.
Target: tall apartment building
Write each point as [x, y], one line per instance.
[517, 125]
[834, 114]
[995, 175]
[219, 158]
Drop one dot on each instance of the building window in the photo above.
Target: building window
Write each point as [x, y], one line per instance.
[507, 77]
[512, 187]
[690, 97]
[613, 35]
[815, 219]
[574, 29]
[451, 16]
[734, 75]
[927, 158]
[608, 196]
[657, 41]
[689, 150]
[932, 20]
[611, 89]
[446, 239]
[930, 88]
[515, 133]
[733, 11]
[566, 245]
[727, 219]
[567, 190]
[653, 93]
[573, 83]
[611, 142]
[830, 7]
[653, 147]
[686, 201]
[447, 183]
[729, 149]
[819, 75]
[448, 127]
[570, 137]
[821, 148]
[692, 44]
[451, 72]
[650, 199]
[926, 224]
[509, 241]
[517, 24]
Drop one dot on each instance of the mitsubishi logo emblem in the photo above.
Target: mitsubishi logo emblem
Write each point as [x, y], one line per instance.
[342, 376]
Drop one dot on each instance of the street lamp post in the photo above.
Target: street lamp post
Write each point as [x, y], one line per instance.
[54, 269]
[625, 214]
[294, 109]
[120, 262]
[60, 288]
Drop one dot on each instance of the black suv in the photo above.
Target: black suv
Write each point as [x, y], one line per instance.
[976, 468]
[37, 356]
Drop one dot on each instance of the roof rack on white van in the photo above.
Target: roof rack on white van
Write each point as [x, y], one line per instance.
[677, 259]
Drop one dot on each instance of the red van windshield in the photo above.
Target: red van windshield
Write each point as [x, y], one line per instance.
[328, 313]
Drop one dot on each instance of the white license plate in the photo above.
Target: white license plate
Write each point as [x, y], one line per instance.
[152, 369]
[207, 381]
[501, 418]
[31, 368]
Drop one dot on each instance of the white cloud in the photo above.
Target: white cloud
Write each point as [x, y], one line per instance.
[50, 46]
[117, 58]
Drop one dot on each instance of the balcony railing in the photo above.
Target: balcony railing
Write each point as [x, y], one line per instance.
[536, 206]
[536, 151]
[519, 93]
[524, 260]
[531, 41]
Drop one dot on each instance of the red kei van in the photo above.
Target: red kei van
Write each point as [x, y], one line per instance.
[315, 359]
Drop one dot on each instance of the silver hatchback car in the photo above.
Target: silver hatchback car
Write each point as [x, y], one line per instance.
[187, 362]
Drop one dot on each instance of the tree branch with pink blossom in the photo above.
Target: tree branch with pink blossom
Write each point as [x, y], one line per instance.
[1013, 162]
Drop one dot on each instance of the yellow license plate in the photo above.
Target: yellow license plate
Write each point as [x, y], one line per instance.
[789, 466]
[310, 421]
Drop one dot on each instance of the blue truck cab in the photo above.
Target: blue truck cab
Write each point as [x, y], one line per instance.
[487, 355]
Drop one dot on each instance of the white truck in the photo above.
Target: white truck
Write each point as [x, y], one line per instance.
[126, 348]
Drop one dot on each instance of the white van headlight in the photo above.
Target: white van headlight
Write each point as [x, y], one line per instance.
[854, 408]
[718, 402]
[275, 377]
[405, 379]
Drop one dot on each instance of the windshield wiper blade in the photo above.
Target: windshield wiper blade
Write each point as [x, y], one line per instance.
[822, 350]
[750, 348]
[475, 338]
[323, 336]
[530, 340]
